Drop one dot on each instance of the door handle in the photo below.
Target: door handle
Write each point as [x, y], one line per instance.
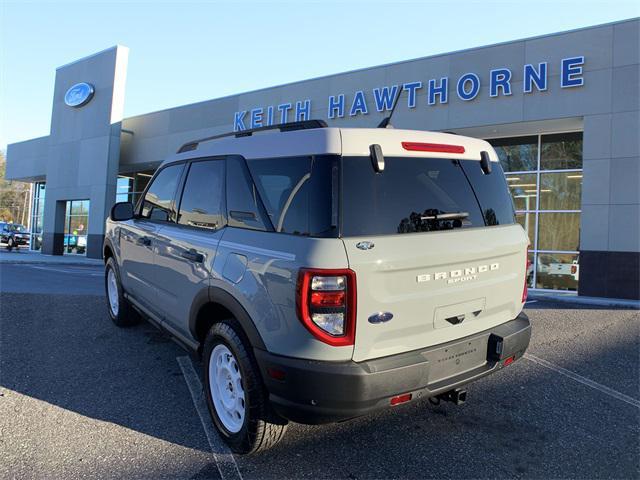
[193, 256]
[146, 241]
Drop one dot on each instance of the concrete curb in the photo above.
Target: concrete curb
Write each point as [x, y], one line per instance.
[597, 301]
[62, 264]
[40, 259]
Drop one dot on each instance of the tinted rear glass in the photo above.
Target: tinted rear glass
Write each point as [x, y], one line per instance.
[411, 191]
[297, 193]
[492, 192]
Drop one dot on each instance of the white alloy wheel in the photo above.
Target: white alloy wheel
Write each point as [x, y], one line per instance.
[225, 383]
[112, 291]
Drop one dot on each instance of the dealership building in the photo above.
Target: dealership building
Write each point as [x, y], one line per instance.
[561, 110]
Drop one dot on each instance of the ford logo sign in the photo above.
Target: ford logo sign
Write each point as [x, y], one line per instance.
[78, 95]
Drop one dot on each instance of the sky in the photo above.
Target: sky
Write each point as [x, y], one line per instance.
[183, 52]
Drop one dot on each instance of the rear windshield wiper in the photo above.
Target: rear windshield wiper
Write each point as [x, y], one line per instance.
[432, 219]
[446, 216]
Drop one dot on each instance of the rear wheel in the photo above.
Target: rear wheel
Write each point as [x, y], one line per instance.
[120, 310]
[237, 399]
[10, 244]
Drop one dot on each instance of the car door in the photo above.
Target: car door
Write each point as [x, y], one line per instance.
[187, 248]
[138, 236]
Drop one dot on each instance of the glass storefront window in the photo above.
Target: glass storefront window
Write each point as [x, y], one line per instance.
[560, 191]
[528, 222]
[523, 188]
[37, 214]
[517, 154]
[76, 226]
[530, 269]
[558, 271]
[130, 186]
[559, 231]
[123, 187]
[561, 151]
[544, 174]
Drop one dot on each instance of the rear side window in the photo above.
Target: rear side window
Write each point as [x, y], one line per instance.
[244, 207]
[298, 193]
[411, 193]
[491, 190]
[158, 201]
[201, 205]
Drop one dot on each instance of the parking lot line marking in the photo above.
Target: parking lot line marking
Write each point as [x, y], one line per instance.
[72, 271]
[585, 381]
[225, 461]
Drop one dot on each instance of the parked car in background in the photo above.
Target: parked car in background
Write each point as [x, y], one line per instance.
[13, 235]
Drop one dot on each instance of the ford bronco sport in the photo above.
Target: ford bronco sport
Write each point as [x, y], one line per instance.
[325, 273]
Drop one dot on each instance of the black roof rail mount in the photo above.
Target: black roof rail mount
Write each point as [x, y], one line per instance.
[283, 127]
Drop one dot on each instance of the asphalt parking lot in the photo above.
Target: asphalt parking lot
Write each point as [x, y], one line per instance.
[80, 398]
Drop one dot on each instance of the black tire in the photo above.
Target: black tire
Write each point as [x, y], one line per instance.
[262, 427]
[125, 315]
[10, 244]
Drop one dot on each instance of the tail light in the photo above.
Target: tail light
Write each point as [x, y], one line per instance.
[326, 301]
[525, 290]
[574, 269]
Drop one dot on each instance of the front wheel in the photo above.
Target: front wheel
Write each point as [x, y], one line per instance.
[120, 310]
[10, 244]
[237, 399]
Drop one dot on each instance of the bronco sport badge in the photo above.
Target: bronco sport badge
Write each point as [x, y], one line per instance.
[459, 275]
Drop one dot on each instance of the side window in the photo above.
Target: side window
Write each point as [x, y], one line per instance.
[298, 193]
[158, 201]
[201, 205]
[244, 207]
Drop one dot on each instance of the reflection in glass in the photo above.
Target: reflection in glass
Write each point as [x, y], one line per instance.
[131, 185]
[558, 271]
[523, 189]
[534, 200]
[76, 226]
[37, 213]
[530, 269]
[561, 151]
[518, 153]
[559, 231]
[123, 188]
[528, 222]
[560, 191]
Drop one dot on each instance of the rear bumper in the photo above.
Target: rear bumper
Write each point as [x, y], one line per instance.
[315, 392]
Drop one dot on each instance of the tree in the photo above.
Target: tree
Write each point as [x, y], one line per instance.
[14, 197]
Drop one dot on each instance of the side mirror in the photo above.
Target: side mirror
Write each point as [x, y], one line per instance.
[121, 211]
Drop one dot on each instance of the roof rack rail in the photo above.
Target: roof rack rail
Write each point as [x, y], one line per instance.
[283, 127]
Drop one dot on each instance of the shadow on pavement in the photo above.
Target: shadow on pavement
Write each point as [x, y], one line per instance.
[64, 350]
[522, 422]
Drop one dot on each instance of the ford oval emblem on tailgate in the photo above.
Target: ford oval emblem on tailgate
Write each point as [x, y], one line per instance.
[380, 317]
[365, 245]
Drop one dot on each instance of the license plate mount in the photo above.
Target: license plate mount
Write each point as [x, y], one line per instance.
[457, 358]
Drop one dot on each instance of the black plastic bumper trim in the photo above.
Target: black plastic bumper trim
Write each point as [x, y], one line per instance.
[315, 392]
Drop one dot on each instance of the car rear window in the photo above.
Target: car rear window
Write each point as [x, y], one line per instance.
[492, 192]
[410, 194]
[298, 193]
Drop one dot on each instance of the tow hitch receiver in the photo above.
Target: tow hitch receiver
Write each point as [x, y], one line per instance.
[457, 396]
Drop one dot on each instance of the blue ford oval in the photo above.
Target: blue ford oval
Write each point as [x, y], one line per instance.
[78, 95]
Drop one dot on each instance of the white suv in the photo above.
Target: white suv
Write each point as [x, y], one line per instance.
[324, 273]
